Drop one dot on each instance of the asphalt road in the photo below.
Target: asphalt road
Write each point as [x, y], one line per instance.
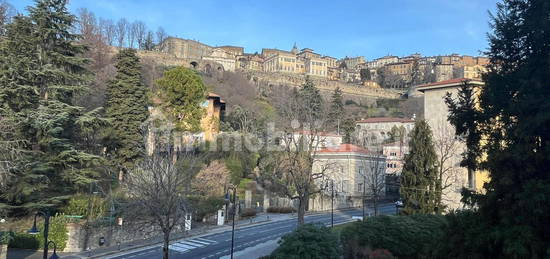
[219, 244]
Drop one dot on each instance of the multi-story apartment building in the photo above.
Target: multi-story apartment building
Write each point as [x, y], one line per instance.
[280, 61]
[349, 168]
[380, 62]
[331, 62]
[402, 69]
[443, 71]
[372, 132]
[252, 62]
[352, 62]
[470, 72]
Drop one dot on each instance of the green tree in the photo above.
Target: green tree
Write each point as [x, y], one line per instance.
[182, 93]
[309, 241]
[365, 74]
[419, 172]
[126, 108]
[336, 111]
[41, 60]
[513, 121]
[312, 101]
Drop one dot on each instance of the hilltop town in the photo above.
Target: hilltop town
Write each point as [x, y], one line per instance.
[388, 72]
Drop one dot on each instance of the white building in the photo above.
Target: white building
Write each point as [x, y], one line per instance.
[348, 168]
[374, 131]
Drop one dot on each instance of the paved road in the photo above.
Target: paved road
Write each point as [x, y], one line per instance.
[219, 244]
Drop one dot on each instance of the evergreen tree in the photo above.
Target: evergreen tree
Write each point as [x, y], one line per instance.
[41, 60]
[182, 92]
[126, 108]
[419, 172]
[310, 95]
[513, 120]
[337, 111]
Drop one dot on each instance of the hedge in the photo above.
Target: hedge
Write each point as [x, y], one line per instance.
[404, 236]
[281, 210]
[309, 241]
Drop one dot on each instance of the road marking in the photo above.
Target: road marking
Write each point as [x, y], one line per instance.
[184, 246]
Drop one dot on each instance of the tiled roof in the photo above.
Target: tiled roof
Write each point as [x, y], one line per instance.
[385, 119]
[345, 148]
[450, 81]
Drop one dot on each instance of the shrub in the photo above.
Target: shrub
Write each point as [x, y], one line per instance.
[281, 210]
[57, 233]
[24, 241]
[309, 241]
[5, 237]
[404, 236]
[248, 212]
[203, 206]
[79, 205]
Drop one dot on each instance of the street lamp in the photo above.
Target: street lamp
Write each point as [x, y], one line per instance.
[227, 199]
[332, 203]
[34, 230]
[398, 204]
[54, 255]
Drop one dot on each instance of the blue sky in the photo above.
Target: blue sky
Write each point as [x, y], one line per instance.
[371, 28]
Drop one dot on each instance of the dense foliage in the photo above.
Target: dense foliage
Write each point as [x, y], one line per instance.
[40, 74]
[126, 108]
[418, 186]
[404, 236]
[512, 119]
[182, 94]
[309, 241]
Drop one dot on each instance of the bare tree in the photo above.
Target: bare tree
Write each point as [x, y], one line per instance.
[121, 31]
[289, 170]
[140, 33]
[155, 188]
[447, 146]
[161, 36]
[108, 30]
[87, 24]
[149, 42]
[374, 178]
[132, 30]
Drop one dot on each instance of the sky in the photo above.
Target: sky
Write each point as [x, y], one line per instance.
[370, 28]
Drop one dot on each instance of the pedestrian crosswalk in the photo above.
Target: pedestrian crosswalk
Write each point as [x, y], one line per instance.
[186, 245]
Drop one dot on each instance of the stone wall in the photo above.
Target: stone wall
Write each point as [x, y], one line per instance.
[81, 239]
[264, 78]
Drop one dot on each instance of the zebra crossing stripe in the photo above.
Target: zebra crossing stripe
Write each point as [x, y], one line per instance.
[190, 242]
[204, 240]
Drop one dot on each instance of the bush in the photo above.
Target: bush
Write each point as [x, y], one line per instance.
[57, 233]
[79, 205]
[404, 236]
[281, 210]
[24, 241]
[204, 206]
[248, 212]
[309, 241]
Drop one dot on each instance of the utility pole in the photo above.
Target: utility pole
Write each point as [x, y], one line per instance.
[332, 204]
[364, 190]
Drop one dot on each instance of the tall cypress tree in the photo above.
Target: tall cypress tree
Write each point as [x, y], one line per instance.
[336, 112]
[127, 110]
[419, 172]
[513, 120]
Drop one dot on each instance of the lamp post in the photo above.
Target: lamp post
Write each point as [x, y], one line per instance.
[34, 230]
[332, 203]
[227, 198]
[54, 255]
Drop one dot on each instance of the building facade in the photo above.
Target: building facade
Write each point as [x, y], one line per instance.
[349, 169]
[374, 131]
[436, 113]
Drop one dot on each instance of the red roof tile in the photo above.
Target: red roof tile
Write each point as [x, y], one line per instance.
[345, 148]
